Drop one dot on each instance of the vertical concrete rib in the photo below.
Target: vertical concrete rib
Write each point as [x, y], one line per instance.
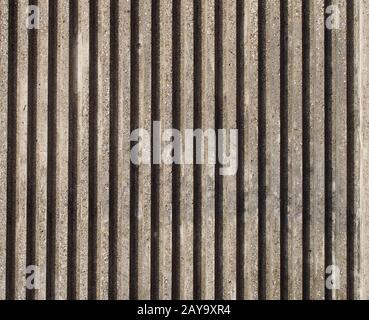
[82, 150]
[205, 112]
[364, 145]
[103, 127]
[62, 137]
[295, 125]
[142, 210]
[4, 54]
[165, 203]
[20, 165]
[186, 121]
[272, 168]
[339, 148]
[316, 123]
[353, 151]
[229, 145]
[250, 149]
[41, 146]
[124, 190]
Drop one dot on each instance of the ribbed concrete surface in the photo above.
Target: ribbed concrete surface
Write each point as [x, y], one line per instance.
[100, 227]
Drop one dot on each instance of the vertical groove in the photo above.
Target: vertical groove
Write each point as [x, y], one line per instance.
[218, 125]
[262, 149]
[197, 188]
[328, 147]
[176, 182]
[240, 255]
[72, 150]
[93, 87]
[155, 173]
[306, 148]
[51, 150]
[284, 149]
[11, 159]
[133, 273]
[113, 172]
[31, 150]
[350, 150]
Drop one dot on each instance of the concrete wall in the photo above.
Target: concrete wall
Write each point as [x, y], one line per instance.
[99, 227]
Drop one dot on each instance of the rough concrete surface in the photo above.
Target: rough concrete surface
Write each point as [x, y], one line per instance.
[97, 226]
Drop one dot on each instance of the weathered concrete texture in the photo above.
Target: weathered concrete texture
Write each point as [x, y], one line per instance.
[145, 121]
[295, 188]
[62, 137]
[363, 91]
[208, 171]
[103, 115]
[166, 118]
[339, 149]
[358, 112]
[229, 122]
[21, 151]
[41, 148]
[238, 236]
[187, 121]
[251, 150]
[83, 157]
[272, 183]
[124, 150]
[316, 91]
[3, 140]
